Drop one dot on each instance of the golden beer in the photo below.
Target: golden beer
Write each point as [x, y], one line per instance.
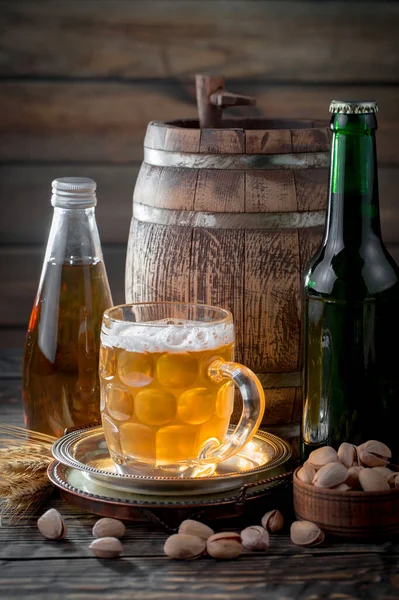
[161, 408]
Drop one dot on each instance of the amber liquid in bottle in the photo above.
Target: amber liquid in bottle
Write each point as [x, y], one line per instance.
[60, 368]
[62, 349]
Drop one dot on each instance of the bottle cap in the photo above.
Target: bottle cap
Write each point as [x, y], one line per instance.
[353, 107]
[74, 192]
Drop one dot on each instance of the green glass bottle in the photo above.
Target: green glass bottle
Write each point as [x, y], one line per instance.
[351, 301]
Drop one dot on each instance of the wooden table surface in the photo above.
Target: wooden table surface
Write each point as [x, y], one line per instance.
[34, 568]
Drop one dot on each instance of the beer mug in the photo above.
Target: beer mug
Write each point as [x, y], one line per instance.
[167, 389]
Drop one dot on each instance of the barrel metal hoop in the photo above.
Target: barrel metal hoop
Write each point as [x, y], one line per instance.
[223, 220]
[252, 162]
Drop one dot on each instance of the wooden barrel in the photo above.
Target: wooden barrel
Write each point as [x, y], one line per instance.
[230, 217]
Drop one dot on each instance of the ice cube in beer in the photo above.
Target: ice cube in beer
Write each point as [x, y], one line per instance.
[178, 370]
[155, 407]
[225, 401]
[107, 362]
[176, 443]
[138, 441]
[119, 402]
[135, 369]
[196, 406]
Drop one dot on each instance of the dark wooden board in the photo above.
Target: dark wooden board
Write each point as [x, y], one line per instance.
[155, 577]
[280, 41]
[106, 121]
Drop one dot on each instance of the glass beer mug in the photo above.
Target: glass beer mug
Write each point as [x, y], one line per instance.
[167, 388]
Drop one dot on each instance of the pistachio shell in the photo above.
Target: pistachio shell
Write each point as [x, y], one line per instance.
[196, 528]
[374, 454]
[306, 473]
[342, 487]
[273, 521]
[224, 545]
[255, 538]
[51, 525]
[384, 471]
[330, 475]
[347, 454]
[322, 456]
[305, 533]
[184, 546]
[353, 477]
[106, 547]
[371, 481]
[393, 479]
[108, 527]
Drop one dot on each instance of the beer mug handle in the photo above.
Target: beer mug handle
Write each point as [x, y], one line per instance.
[253, 399]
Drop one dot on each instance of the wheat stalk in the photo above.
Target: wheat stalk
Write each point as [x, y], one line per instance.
[24, 458]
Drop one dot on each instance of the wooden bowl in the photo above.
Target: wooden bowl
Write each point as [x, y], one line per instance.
[350, 514]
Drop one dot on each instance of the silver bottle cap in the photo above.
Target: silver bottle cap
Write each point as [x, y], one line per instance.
[353, 107]
[74, 192]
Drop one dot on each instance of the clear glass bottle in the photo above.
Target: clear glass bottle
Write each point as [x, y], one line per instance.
[60, 365]
[351, 306]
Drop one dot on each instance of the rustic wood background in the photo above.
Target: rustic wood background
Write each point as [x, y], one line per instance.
[81, 80]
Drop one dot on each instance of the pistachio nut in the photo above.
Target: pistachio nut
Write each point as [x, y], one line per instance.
[184, 546]
[305, 533]
[342, 487]
[353, 477]
[255, 538]
[374, 454]
[330, 475]
[393, 479]
[106, 547]
[384, 471]
[224, 545]
[371, 481]
[306, 473]
[322, 456]
[347, 454]
[273, 521]
[196, 528]
[108, 527]
[51, 525]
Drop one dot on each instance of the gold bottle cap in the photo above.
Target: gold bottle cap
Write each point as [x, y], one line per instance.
[353, 107]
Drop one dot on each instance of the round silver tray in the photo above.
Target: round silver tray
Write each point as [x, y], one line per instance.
[86, 451]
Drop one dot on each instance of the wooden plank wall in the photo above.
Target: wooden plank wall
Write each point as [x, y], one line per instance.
[80, 81]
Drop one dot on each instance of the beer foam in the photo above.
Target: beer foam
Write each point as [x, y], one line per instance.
[167, 335]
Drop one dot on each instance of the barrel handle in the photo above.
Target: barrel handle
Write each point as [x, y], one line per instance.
[253, 399]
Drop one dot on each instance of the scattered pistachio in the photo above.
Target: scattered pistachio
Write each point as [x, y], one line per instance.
[51, 525]
[330, 475]
[184, 546]
[374, 454]
[306, 473]
[106, 547]
[322, 456]
[196, 528]
[273, 521]
[224, 545]
[255, 538]
[108, 528]
[371, 481]
[305, 533]
[347, 454]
